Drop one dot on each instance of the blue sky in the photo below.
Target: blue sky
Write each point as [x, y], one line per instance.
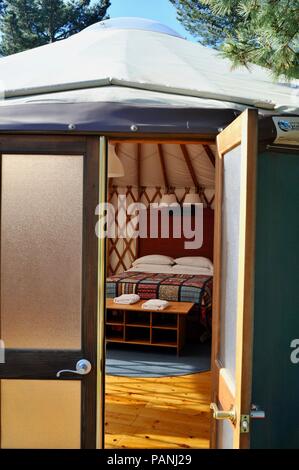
[161, 10]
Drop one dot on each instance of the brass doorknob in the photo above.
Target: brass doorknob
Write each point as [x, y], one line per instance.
[219, 414]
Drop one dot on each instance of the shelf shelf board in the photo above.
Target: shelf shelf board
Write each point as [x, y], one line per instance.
[138, 341]
[168, 344]
[114, 323]
[138, 325]
[165, 327]
[115, 340]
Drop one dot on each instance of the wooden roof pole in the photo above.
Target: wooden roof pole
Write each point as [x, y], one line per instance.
[212, 159]
[190, 166]
[163, 166]
[139, 167]
[192, 173]
[116, 147]
[210, 154]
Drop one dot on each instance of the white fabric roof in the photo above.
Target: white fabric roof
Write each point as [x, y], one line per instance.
[119, 94]
[178, 175]
[144, 55]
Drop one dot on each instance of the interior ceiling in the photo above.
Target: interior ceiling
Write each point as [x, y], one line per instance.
[167, 165]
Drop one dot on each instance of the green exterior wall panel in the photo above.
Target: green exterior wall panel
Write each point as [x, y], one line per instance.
[276, 316]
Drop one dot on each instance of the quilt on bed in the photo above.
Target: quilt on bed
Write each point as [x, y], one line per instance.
[171, 287]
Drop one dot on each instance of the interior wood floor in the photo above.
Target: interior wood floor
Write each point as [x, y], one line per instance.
[158, 413]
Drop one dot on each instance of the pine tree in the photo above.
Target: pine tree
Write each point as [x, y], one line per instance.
[25, 24]
[263, 32]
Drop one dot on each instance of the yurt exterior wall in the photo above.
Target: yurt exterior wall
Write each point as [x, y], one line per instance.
[276, 321]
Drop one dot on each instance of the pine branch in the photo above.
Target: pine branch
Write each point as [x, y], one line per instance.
[264, 32]
[25, 24]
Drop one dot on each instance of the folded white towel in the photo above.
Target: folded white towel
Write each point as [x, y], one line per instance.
[155, 304]
[127, 299]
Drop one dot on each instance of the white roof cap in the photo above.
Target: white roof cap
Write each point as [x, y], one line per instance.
[132, 22]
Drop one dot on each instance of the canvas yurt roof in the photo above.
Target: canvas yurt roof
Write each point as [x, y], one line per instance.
[167, 165]
[130, 63]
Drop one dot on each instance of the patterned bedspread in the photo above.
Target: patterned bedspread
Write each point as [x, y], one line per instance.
[172, 287]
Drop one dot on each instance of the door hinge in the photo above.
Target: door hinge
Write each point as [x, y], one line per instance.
[245, 424]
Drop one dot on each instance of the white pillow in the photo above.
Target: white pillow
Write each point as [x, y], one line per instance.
[179, 269]
[196, 261]
[152, 268]
[154, 259]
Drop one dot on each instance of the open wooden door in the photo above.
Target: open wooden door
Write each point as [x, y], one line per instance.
[233, 283]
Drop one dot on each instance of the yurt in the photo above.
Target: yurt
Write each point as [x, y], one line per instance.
[149, 246]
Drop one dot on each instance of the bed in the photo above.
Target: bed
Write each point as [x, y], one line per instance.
[169, 282]
[196, 288]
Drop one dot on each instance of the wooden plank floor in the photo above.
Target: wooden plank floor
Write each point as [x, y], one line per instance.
[157, 413]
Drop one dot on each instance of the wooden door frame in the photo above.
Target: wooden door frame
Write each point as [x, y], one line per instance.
[101, 307]
[234, 135]
[43, 364]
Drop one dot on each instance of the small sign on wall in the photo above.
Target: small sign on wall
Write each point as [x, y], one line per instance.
[287, 130]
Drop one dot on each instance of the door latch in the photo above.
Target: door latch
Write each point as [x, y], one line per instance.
[255, 413]
[245, 424]
[83, 367]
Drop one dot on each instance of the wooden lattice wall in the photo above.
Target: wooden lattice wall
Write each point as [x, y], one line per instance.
[123, 251]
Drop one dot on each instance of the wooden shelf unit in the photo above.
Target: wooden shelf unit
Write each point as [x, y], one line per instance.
[131, 324]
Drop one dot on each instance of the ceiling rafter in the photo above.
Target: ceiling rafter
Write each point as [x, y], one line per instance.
[210, 154]
[138, 165]
[116, 147]
[163, 166]
[192, 173]
[190, 166]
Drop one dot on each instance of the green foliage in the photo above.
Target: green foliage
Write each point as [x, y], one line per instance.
[263, 32]
[209, 27]
[25, 24]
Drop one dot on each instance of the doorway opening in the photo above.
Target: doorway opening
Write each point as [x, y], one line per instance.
[160, 246]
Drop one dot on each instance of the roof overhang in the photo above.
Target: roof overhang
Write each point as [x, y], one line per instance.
[113, 118]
